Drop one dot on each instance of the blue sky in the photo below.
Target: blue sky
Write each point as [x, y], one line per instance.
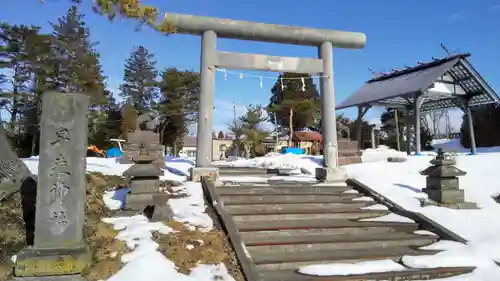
[398, 33]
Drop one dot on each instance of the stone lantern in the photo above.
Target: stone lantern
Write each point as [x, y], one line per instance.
[145, 195]
[442, 183]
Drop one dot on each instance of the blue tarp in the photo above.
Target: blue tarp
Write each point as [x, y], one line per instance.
[293, 150]
[114, 153]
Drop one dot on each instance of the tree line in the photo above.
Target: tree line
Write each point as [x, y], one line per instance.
[66, 60]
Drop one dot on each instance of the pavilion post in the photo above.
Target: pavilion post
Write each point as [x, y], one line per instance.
[359, 122]
[408, 130]
[416, 112]
[471, 131]
[466, 109]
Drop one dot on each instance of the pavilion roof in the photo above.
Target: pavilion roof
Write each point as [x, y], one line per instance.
[398, 88]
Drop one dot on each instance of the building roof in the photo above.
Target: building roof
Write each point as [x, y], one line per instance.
[306, 136]
[189, 141]
[441, 82]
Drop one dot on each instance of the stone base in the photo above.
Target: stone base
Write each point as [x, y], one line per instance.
[445, 196]
[331, 175]
[33, 262]
[51, 278]
[342, 161]
[198, 172]
[396, 159]
[138, 202]
[458, 206]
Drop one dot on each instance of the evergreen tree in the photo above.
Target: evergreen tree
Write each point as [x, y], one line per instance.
[220, 135]
[106, 124]
[129, 115]
[179, 105]
[24, 52]
[293, 104]
[486, 123]
[76, 66]
[388, 127]
[140, 87]
[15, 56]
[254, 135]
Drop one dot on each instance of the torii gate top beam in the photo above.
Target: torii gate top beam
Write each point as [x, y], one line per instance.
[264, 32]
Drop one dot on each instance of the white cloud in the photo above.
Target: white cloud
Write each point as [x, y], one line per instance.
[455, 16]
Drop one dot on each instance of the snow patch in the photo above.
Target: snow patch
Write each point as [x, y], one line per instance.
[391, 218]
[343, 269]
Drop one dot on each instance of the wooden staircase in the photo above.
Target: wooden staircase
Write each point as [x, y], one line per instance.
[287, 226]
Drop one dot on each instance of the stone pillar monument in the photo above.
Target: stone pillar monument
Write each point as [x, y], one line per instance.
[59, 251]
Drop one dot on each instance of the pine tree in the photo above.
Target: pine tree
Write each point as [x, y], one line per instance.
[293, 104]
[15, 56]
[179, 105]
[105, 123]
[76, 66]
[129, 115]
[486, 122]
[251, 122]
[140, 87]
[220, 135]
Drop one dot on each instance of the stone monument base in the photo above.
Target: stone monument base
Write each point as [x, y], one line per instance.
[51, 278]
[34, 262]
[331, 175]
[445, 196]
[211, 172]
[458, 206]
[139, 202]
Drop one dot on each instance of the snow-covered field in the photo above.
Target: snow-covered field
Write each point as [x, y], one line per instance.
[400, 182]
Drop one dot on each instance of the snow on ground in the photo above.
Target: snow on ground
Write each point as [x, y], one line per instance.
[351, 268]
[191, 208]
[144, 262]
[455, 146]
[136, 231]
[401, 182]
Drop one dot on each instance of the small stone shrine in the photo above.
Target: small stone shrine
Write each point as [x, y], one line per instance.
[145, 195]
[144, 134]
[151, 139]
[442, 183]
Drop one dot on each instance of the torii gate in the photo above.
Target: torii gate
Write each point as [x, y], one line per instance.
[210, 28]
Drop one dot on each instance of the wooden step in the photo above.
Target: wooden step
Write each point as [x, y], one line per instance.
[299, 234]
[302, 208]
[318, 223]
[288, 199]
[249, 190]
[286, 238]
[410, 274]
[229, 171]
[394, 253]
[356, 215]
[366, 246]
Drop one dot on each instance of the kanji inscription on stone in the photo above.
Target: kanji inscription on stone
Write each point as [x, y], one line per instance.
[61, 171]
